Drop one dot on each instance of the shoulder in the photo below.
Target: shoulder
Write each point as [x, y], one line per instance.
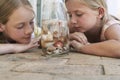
[110, 29]
[112, 23]
[112, 20]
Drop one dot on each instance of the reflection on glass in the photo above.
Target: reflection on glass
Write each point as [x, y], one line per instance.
[54, 34]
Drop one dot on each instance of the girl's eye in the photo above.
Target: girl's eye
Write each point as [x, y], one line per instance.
[32, 22]
[79, 15]
[70, 15]
[20, 26]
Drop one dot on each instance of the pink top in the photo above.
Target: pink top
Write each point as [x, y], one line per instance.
[106, 26]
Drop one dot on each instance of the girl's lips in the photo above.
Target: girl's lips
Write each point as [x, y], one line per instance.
[78, 29]
[27, 38]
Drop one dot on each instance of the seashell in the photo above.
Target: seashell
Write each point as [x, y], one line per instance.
[51, 48]
[45, 29]
[62, 38]
[47, 37]
[43, 44]
[56, 51]
[55, 34]
[49, 53]
[58, 44]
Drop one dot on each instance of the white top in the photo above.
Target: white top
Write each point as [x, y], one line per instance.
[108, 25]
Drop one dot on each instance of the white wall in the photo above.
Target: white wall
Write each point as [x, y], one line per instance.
[114, 7]
[34, 4]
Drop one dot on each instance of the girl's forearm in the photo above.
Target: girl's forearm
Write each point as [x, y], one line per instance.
[6, 48]
[110, 48]
[12, 48]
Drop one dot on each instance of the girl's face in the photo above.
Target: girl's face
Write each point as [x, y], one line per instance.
[82, 18]
[20, 25]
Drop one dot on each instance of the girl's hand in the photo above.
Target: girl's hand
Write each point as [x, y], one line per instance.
[76, 45]
[34, 43]
[79, 38]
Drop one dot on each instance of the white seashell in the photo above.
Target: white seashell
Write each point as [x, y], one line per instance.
[47, 37]
[56, 51]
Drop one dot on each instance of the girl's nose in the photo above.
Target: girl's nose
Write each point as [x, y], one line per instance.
[29, 29]
[73, 20]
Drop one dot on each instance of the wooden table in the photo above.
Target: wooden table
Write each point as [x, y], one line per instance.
[31, 65]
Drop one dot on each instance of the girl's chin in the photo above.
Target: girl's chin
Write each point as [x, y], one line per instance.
[25, 42]
[82, 31]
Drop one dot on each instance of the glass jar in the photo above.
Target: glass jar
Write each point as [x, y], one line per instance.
[54, 37]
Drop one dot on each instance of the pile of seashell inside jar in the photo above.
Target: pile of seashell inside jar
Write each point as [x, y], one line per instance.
[54, 37]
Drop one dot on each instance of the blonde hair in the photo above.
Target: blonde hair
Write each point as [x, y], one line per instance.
[95, 4]
[7, 7]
